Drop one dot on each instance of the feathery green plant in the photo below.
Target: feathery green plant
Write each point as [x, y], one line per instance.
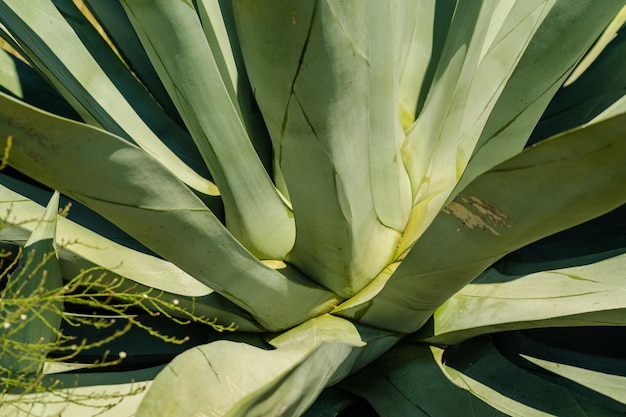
[35, 348]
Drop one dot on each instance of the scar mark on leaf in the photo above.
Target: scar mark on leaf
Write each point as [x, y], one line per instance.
[491, 212]
[481, 215]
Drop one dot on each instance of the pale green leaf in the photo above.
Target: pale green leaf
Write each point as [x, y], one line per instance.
[391, 189]
[194, 73]
[83, 394]
[79, 63]
[427, 27]
[493, 302]
[562, 38]
[92, 247]
[482, 49]
[610, 385]
[218, 23]
[143, 198]
[481, 369]
[82, 249]
[112, 18]
[547, 188]
[313, 107]
[235, 379]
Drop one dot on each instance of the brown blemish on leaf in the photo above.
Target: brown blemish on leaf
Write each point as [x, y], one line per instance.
[480, 217]
[491, 212]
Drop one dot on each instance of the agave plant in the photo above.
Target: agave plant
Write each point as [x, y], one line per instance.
[378, 196]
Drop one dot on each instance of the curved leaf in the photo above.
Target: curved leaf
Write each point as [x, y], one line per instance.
[321, 133]
[483, 47]
[80, 249]
[112, 18]
[79, 63]
[430, 24]
[391, 189]
[494, 216]
[561, 40]
[143, 198]
[589, 362]
[218, 23]
[597, 94]
[481, 369]
[19, 80]
[83, 394]
[285, 381]
[205, 96]
[580, 296]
